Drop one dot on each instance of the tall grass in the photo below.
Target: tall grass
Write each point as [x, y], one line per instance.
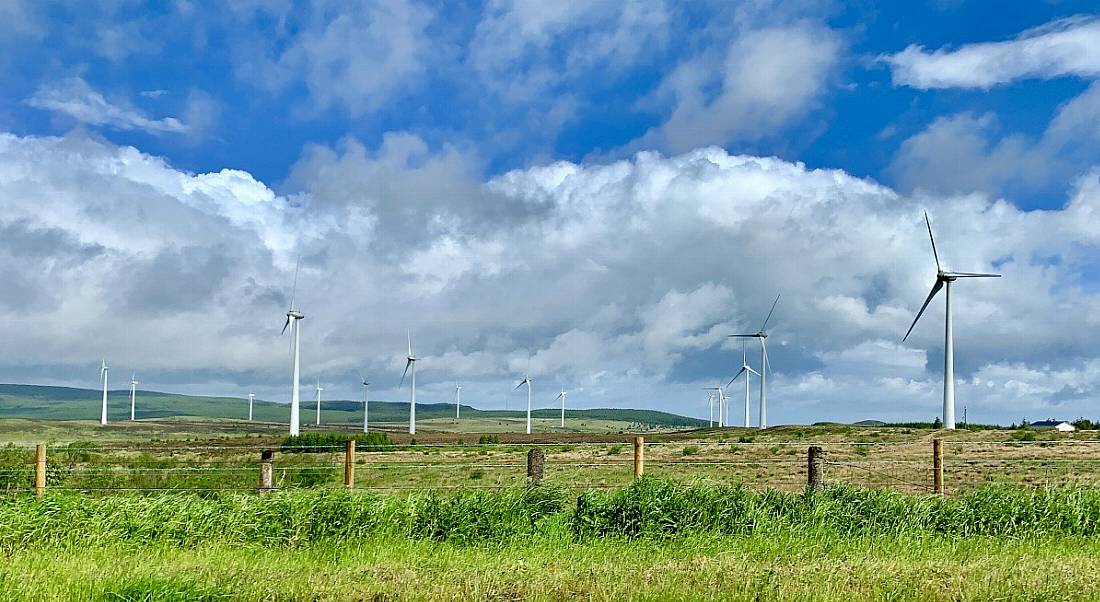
[647, 509]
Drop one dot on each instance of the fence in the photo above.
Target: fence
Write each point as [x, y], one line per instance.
[913, 467]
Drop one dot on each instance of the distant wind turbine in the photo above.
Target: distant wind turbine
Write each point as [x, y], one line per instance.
[103, 378]
[293, 319]
[527, 381]
[561, 396]
[319, 389]
[458, 399]
[710, 404]
[366, 403]
[944, 280]
[762, 335]
[746, 370]
[411, 362]
[721, 399]
[251, 399]
[133, 393]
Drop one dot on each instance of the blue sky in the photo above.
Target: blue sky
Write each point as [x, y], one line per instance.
[417, 157]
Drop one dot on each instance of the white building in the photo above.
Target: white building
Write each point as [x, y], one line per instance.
[1065, 427]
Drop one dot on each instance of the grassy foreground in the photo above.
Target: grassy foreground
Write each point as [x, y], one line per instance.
[653, 540]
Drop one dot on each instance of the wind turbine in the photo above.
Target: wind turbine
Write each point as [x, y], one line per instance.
[762, 335]
[133, 393]
[561, 396]
[103, 377]
[944, 280]
[746, 370]
[411, 362]
[293, 319]
[458, 399]
[251, 398]
[366, 403]
[527, 381]
[710, 404]
[319, 389]
[721, 399]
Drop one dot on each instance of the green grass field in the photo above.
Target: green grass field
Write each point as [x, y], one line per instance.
[654, 540]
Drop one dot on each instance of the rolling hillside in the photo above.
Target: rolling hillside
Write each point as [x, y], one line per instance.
[66, 403]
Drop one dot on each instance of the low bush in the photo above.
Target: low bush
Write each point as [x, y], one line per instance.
[312, 442]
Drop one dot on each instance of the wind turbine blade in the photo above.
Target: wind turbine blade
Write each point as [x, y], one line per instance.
[739, 373]
[285, 325]
[410, 336]
[931, 238]
[972, 275]
[739, 336]
[764, 348]
[408, 363]
[751, 370]
[523, 382]
[769, 314]
[294, 287]
[935, 289]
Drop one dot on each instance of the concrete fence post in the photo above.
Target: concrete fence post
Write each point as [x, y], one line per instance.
[937, 466]
[349, 464]
[639, 456]
[815, 467]
[536, 461]
[266, 470]
[39, 469]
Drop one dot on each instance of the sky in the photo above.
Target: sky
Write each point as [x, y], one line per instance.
[595, 193]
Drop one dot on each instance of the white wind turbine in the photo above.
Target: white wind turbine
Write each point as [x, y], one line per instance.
[366, 403]
[133, 393]
[293, 319]
[251, 399]
[944, 280]
[411, 362]
[103, 378]
[762, 335]
[746, 370]
[527, 381]
[458, 399]
[319, 389]
[561, 396]
[710, 404]
[717, 393]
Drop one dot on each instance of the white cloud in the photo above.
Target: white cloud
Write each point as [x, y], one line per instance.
[621, 279]
[1068, 47]
[76, 99]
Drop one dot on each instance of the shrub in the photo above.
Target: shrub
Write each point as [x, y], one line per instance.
[310, 442]
[690, 450]
[488, 440]
[614, 450]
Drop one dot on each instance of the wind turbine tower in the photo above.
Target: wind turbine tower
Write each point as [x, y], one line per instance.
[133, 393]
[293, 320]
[251, 399]
[411, 363]
[458, 399]
[762, 336]
[944, 280]
[366, 403]
[561, 396]
[103, 407]
[527, 381]
[319, 389]
[746, 370]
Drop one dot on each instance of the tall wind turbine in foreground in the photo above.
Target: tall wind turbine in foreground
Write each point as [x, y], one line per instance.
[944, 280]
[319, 389]
[746, 370]
[133, 393]
[366, 403]
[103, 377]
[762, 335]
[561, 396]
[527, 381]
[251, 399]
[293, 319]
[411, 362]
[458, 399]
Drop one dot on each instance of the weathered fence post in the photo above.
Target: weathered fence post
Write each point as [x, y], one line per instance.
[815, 467]
[639, 456]
[266, 470]
[536, 460]
[349, 464]
[937, 466]
[39, 469]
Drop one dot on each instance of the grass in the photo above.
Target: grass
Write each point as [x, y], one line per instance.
[653, 540]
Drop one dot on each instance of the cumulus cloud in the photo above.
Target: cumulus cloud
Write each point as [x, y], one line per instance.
[1067, 47]
[620, 279]
[74, 98]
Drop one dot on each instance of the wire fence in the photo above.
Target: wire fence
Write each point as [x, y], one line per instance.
[904, 466]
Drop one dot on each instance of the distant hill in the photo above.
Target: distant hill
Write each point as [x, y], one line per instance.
[67, 403]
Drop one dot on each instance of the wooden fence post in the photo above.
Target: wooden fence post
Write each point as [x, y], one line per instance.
[937, 466]
[639, 456]
[536, 460]
[815, 467]
[349, 464]
[266, 470]
[39, 469]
